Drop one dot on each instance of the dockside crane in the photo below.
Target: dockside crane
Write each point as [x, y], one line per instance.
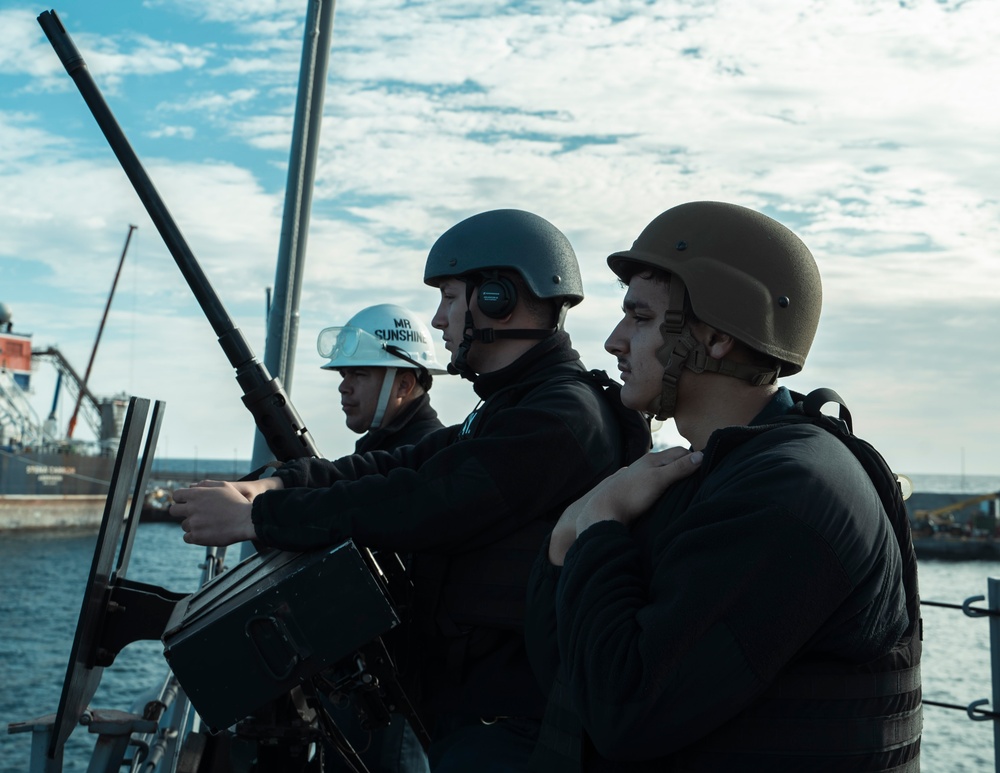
[100, 330]
[944, 515]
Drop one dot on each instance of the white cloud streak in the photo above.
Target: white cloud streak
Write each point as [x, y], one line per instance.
[865, 126]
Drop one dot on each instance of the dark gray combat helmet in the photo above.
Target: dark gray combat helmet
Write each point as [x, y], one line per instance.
[508, 239]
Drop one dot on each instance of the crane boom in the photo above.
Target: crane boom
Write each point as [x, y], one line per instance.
[937, 512]
[100, 331]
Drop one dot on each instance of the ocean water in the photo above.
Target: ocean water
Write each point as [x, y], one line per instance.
[43, 579]
[954, 484]
[231, 469]
[225, 469]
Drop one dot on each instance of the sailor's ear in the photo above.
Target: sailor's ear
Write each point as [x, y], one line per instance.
[406, 381]
[717, 344]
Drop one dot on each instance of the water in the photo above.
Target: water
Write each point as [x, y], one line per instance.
[955, 484]
[43, 579]
[956, 666]
[228, 468]
[236, 468]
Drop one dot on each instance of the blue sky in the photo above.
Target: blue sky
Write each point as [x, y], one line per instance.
[869, 127]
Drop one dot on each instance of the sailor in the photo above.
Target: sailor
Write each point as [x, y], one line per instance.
[386, 361]
[745, 603]
[472, 502]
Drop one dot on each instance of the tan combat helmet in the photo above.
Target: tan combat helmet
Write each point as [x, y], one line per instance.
[744, 274]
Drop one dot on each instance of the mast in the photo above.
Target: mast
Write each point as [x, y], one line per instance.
[283, 306]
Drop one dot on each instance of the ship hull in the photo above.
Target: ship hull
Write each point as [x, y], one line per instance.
[54, 473]
[957, 549]
[47, 513]
[52, 490]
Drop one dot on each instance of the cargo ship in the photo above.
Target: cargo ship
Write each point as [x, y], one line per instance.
[47, 479]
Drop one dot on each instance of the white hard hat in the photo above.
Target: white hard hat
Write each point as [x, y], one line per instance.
[383, 336]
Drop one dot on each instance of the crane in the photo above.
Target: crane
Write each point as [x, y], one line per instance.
[945, 513]
[100, 330]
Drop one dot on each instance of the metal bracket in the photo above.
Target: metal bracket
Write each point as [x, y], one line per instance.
[969, 611]
[978, 717]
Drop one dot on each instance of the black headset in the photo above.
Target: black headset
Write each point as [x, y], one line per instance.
[496, 297]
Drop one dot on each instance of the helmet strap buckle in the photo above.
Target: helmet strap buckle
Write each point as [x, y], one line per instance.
[697, 359]
[766, 377]
[673, 322]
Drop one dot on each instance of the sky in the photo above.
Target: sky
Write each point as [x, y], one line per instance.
[868, 127]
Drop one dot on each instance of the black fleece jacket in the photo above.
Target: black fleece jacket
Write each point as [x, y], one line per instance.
[473, 503]
[654, 637]
[409, 426]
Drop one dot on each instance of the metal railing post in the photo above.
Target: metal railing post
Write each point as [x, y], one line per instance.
[994, 602]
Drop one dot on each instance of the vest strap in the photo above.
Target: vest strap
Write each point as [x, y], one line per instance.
[834, 686]
[823, 736]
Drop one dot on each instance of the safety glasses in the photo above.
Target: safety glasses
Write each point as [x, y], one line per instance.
[350, 343]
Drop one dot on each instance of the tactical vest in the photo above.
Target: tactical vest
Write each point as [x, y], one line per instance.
[819, 715]
[827, 716]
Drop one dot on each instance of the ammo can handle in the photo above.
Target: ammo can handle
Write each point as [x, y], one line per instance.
[270, 638]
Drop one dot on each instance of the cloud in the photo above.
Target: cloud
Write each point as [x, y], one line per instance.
[21, 139]
[219, 11]
[20, 50]
[863, 126]
[184, 132]
[24, 50]
[209, 103]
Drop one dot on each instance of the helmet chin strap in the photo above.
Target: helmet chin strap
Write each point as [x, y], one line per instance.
[488, 335]
[383, 398]
[681, 350]
[672, 353]
[461, 367]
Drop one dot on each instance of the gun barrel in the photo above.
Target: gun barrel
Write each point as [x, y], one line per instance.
[68, 53]
[158, 212]
[265, 398]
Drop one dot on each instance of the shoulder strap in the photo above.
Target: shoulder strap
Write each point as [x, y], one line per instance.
[886, 483]
[635, 433]
[636, 436]
[812, 405]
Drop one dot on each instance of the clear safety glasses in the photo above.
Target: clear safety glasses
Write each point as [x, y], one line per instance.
[350, 343]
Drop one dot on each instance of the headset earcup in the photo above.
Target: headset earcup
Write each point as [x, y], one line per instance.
[496, 297]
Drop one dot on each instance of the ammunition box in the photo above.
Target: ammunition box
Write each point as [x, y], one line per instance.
[271, 623]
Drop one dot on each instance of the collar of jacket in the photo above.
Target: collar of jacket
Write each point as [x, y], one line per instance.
[373, 438]
[554, 350]
[724, 440]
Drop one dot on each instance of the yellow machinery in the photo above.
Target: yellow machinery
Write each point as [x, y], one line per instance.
[945, 516]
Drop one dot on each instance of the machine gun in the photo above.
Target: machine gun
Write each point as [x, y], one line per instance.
[262, 645]
[264, 396]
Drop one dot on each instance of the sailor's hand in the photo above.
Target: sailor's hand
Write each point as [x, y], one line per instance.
[623, 496]
[564, 532]
[248, 488]
[213, 513]
[633, 490]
